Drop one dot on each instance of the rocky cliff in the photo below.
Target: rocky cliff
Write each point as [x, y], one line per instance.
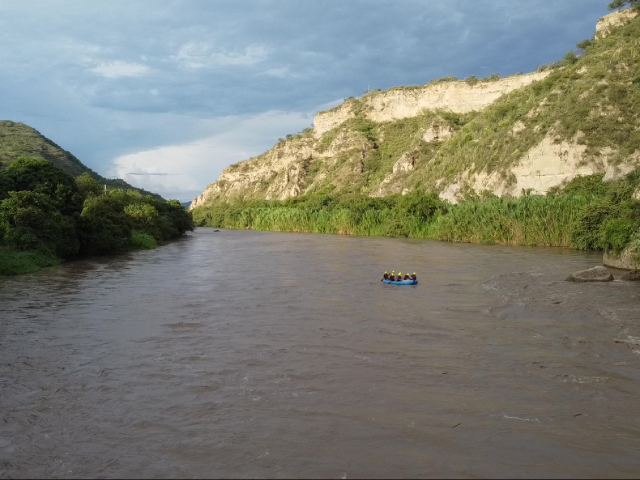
[526, 133]
[398, 103]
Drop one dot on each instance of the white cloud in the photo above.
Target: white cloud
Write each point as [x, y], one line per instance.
[183, 171]
[117, 69]
[201, 54]
[281, 72]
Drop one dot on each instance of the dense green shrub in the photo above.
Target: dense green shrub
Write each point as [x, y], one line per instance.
[39, 176]
[106, 228]
[18, 262]
[87, 186]
[31, 221]
[616, 233]
[142, 241]
[42, 210]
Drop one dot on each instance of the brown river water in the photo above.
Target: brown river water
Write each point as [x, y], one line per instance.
[254, 354]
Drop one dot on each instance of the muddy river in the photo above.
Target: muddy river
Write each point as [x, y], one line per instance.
[255, 354]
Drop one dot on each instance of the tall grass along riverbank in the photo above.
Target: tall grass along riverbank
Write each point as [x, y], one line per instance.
[586, 214]
[16, 262]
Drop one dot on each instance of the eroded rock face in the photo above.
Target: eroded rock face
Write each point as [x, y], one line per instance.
[624, 261]
[438, 133]
[406, 163]
[518, 127]
[596, 274]
[613, 20]
[395, 104]
[616, 172]
[325, 121]
[546, 165]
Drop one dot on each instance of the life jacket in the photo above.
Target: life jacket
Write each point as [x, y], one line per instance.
[392, 278]
[386, 276]
[413, 277]
[406, 277]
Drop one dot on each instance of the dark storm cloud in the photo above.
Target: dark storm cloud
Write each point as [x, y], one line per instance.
[111, 78]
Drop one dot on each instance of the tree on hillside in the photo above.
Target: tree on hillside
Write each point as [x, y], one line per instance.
[616, 4]
[38, 175]
[31, 221]
[87, 186]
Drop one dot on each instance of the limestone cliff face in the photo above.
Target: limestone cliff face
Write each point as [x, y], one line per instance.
[289, 169]
[395, 104]
[549, 164]
[281, 163]
[283, 169]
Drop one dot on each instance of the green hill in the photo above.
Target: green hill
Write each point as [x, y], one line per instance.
[18, 140]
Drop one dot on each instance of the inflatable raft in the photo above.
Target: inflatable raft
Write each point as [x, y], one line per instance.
[401, 282]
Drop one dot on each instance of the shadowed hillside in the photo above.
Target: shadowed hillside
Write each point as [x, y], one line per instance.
[19, 140]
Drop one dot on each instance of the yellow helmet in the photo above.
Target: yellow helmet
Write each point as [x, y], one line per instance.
[386, 271]
[414, 273]
[399, 273]
[393, 271]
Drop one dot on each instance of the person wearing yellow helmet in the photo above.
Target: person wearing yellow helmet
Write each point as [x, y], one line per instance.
[385, 276]
[406, 276]
[399, 277]
[413, 277]
[392, 277]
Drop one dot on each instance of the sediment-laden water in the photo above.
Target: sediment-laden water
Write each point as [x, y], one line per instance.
[250, 354]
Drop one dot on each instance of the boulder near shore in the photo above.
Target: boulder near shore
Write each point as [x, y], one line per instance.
[633, 276]
[595, 274]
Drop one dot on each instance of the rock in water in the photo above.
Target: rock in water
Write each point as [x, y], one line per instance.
[633, 276]
[596, 274]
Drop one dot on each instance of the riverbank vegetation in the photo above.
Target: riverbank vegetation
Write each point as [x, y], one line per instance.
[586, 214]
[47, 216]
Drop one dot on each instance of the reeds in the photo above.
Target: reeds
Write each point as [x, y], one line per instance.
[528, 220]
[586, 214]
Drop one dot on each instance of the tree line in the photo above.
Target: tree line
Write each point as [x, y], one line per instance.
[44, 210]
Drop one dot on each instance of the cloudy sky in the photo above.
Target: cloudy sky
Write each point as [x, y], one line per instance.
[167, 93]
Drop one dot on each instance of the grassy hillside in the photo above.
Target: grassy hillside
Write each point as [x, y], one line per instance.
[590, 101]
[20, 140]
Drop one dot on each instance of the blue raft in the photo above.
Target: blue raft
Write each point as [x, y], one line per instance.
[401, 282]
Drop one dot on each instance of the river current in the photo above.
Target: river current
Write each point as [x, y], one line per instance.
[255, 354]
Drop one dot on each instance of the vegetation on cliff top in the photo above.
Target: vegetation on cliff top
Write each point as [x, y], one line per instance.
[616, 4]
[46, 216]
